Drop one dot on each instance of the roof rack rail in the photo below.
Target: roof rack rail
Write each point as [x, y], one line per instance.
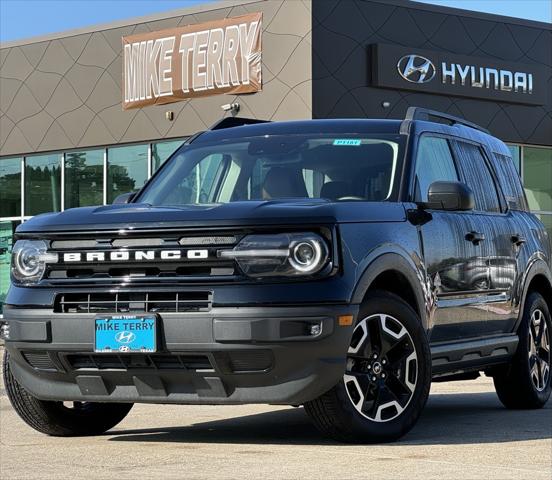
[418, 113]
[230, 122]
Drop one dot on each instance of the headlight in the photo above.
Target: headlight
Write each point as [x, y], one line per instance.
[284, 254]
[29, 259]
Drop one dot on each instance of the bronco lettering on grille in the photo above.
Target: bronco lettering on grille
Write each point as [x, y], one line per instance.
[134, 256]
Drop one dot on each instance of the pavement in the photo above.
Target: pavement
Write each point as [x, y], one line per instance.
[464, 433]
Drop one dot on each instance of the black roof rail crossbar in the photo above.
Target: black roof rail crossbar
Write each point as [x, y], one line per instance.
[418, 113]
[230, 122]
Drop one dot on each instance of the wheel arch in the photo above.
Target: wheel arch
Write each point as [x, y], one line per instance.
[538, 279]
[396, 274]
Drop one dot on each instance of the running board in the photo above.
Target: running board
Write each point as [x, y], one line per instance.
[472, 354]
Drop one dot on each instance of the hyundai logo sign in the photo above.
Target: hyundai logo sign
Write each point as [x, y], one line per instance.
[450, 74]
[125, 337]
[416, 69]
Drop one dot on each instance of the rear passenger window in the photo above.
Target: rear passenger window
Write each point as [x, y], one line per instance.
[478, 176]
[508, 177]
[434, 163]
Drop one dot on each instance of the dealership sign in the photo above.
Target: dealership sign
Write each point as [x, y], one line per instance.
[222, 56]
[457, 75]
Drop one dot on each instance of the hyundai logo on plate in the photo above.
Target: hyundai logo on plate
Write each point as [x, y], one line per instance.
[125, 337]
[416, 69]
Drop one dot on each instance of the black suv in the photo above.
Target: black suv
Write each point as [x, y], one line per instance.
[342, 265]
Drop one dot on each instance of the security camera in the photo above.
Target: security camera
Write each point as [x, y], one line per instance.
[233, 108]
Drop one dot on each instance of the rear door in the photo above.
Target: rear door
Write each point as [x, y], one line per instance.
[490, 222]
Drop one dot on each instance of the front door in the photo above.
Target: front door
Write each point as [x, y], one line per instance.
[457, 249]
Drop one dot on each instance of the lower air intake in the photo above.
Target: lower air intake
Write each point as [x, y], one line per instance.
[139, 361]
[126, 302]
[40, 361]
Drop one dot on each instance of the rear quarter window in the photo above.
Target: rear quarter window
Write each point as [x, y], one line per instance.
[477, 176]
[508, 178]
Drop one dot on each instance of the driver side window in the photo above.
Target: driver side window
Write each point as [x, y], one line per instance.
[434, 163]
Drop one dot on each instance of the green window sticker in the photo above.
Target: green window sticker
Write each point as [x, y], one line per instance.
[347, 142]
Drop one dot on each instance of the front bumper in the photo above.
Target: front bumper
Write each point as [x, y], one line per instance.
[224, 356]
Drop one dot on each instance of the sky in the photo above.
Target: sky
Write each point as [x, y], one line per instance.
[29, 18]
[540, 10]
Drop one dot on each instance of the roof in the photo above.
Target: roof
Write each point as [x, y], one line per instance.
[331, 126]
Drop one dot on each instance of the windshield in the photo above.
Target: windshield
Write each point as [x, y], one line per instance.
[279, 167]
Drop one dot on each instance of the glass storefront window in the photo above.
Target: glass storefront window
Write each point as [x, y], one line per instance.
[515, 150]
[547, 220]
[84, 178]
[537, 177]
[6, 242]
[127, 170]
[42, 184]
[10, 187]
[161, 151]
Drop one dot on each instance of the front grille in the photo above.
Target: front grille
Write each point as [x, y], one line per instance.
[121, 272]
[139, 361]
[133, 256]
[40, 361]
[126, 302]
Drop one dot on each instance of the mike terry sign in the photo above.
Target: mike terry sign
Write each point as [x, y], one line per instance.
[222, 56]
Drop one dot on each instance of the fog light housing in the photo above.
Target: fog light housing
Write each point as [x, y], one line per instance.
[315, 329]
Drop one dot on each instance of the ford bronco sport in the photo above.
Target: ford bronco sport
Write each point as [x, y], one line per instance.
[342, 265]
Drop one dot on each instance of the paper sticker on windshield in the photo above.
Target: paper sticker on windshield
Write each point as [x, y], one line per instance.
[347, 142]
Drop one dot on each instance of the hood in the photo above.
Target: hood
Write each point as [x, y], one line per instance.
[234, 214]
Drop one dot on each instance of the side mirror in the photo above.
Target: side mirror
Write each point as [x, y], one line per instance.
[450, 196]
[124, 198]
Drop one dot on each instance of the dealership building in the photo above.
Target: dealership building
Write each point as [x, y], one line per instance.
[89, 114]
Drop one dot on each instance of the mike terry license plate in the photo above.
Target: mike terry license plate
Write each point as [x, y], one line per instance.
[126, 333]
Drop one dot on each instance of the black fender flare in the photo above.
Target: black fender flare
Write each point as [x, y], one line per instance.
[537, 267]
[405, 266]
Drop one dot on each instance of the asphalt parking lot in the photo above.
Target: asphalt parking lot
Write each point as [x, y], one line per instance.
[464, 433]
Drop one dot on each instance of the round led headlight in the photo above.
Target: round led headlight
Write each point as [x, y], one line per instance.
[307, 255]
[29, 259]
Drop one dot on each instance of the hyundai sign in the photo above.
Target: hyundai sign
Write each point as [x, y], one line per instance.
[457, 75]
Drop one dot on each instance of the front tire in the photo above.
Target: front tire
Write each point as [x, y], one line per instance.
[387, 379]
[526, 382]
[57, 419]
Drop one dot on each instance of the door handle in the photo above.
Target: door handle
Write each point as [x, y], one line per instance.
[475, 237]
[518, 240]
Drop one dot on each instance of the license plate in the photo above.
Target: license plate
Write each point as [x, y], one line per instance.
[126, 334]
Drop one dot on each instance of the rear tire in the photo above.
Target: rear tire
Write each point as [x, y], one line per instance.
[526, 382]
[56, 419]
[387, 378]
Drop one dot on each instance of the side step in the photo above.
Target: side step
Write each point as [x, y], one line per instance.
[472, 354]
